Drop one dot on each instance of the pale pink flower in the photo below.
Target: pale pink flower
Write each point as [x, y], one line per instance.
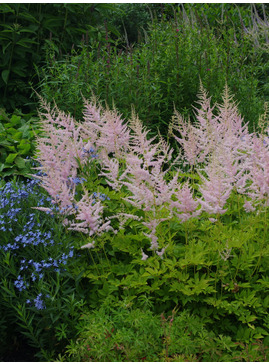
[144, 256]
[89, 216]
[88, 246]
[184, 206]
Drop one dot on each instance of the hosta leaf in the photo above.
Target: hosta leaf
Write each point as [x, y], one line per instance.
[20, 162]
[11, 157]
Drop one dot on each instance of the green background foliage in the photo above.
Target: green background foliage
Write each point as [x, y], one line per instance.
[27, 30]
[164, 71]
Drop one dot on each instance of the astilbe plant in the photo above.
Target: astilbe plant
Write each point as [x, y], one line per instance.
[128, 160]
[161, 228]
[226, 157]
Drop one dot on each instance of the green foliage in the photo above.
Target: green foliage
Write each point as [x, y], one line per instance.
[17, 144]
[125, 334]
[215, 270]
[27, 31]
[164, 71]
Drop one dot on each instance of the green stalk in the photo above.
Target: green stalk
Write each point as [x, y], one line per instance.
[263, 243]
[94, 262]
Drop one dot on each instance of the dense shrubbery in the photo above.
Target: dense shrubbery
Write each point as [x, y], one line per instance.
[164, 71]
[28, 31]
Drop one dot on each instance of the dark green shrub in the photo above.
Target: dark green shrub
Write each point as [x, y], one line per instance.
[26, 30]
[165, 71]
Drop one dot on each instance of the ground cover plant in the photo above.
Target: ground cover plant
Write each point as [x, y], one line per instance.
[163, 233]
[17, 143]
[39, 298]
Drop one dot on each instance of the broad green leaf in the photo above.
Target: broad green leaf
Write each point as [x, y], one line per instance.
[20, 162]
[4, 8]
[5, 75]
[4, 143]
[24, 149]
[29, 17]
[11, 157]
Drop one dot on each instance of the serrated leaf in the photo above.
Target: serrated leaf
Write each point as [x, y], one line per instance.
[17, 136]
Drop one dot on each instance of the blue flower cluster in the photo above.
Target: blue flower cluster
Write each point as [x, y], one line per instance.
[20, 284]
[77, 180]
[99, 196]
[38, 302]
[74, 181]
[91, 153]
[30, 236]
[39, 268]
[24, 233]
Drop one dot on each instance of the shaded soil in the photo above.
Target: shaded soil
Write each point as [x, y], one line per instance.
[19, 351]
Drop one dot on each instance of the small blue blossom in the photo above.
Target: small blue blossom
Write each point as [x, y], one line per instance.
[20, 284]
[91, 152]
[39, 303]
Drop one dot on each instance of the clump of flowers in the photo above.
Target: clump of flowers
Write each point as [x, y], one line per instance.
[218, 146]
[24, 236]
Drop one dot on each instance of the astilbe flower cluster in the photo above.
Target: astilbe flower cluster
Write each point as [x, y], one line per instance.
[225, 155]
[218, 146]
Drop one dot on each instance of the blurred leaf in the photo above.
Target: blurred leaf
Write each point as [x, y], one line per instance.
[5, 75]
[11, 158]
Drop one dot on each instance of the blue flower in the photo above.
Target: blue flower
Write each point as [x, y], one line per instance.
[39, 303]
[20, 284]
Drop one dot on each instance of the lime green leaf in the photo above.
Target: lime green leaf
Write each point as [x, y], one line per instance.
[11, 157]
[24, 148]
[17, 136]
[14, 119]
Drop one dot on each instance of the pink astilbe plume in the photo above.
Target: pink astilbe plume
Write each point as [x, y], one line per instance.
[143, 177]
[59, 147]
[184, 206]
[200, 139]
[257, 188]
[105, 129]
[216, 188]
[89, 216]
